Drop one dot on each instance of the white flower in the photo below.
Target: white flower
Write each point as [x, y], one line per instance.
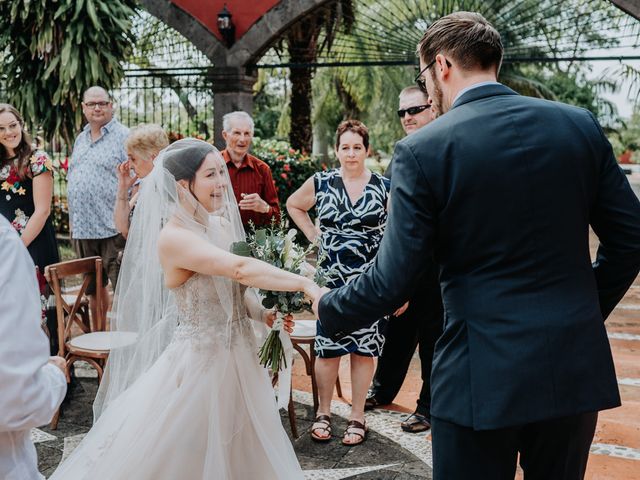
[287, 258]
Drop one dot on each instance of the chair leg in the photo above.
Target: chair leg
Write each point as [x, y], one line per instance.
[94, 363]
[314, 384]
[56, 417]
[338, 387]
[54, 421]
[292, 416]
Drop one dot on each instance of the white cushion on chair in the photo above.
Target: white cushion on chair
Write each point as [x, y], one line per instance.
[70, 299]
[103, 341]
[304, 329]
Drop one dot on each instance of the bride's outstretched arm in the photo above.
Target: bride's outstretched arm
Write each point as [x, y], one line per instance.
[202, 257]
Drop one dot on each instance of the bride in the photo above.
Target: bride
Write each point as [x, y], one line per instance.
[188, 399]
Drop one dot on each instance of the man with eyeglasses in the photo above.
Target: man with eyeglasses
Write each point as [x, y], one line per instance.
[420, 324]
[503, 190]
[92, 186]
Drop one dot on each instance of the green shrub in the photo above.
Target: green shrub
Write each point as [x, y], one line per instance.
[289, 167]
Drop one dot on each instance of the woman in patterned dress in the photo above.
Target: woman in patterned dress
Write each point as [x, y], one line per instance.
[26, 190]
[351, 205]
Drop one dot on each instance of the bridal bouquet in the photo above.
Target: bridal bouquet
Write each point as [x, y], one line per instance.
[276, 246]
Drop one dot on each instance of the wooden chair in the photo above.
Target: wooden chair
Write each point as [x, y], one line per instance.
[304, 333]
[94, 343]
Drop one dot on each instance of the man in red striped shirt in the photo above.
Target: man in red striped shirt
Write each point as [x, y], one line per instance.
[251, 178]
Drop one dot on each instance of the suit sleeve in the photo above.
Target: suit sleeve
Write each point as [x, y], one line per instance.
[615, 219]
[407, 243]
[31, 388]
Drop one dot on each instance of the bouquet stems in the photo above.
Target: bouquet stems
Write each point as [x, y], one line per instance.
[271, 353]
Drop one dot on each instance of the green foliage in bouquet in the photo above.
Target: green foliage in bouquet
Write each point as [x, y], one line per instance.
[276, 246]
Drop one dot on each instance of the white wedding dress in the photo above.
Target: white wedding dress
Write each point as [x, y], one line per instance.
[204, 410]
[188, 400]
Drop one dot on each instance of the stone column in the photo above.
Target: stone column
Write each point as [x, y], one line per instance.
[232, 90]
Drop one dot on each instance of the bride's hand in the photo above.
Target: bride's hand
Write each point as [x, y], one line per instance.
[311, 290]
[316, 300]
[269, 316]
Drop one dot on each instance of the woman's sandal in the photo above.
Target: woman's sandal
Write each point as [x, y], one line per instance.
[321, 423]
[352, 428]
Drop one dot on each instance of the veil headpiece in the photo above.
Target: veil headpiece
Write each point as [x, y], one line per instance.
[142, 302]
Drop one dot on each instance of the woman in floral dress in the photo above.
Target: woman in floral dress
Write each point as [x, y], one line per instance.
[26, 189]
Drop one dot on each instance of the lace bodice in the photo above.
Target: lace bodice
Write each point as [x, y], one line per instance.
[207, 320]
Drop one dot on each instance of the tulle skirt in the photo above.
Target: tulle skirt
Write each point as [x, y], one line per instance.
[192, 415]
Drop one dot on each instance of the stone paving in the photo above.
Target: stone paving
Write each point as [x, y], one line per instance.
[383, 456]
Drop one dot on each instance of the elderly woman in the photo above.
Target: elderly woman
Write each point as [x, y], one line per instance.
[143, 145]
[351, 205]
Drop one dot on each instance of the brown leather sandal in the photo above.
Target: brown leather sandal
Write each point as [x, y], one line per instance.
[352, 426]
[323, 423]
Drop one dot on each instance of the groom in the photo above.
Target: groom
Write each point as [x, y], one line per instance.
[502, 189]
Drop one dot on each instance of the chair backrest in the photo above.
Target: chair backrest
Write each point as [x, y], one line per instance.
[69, 314]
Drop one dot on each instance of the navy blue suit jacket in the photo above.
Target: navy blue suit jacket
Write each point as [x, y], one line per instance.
[503, 189]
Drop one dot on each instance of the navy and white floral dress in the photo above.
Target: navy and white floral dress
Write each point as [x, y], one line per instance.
[351, 235]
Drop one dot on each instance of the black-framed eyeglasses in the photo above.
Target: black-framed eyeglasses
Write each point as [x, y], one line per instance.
[421, 82]
[412, 110]
[97, 104]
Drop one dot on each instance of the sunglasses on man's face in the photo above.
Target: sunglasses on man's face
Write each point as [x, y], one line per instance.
[412, 110]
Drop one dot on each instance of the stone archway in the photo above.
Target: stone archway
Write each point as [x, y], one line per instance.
[632, 7]
[260, 25]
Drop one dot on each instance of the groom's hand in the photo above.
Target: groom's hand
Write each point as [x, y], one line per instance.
[316, 301]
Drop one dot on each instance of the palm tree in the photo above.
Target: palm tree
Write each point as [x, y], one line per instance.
[305, 40]
[55, 49]
[389, 30]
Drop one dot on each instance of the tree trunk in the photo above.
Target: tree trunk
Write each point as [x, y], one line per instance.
[302, 43]
[301, 134]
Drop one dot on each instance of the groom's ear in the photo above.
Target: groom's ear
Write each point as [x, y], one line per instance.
[442, 64]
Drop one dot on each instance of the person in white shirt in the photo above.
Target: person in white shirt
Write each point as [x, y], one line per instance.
[32, 384]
